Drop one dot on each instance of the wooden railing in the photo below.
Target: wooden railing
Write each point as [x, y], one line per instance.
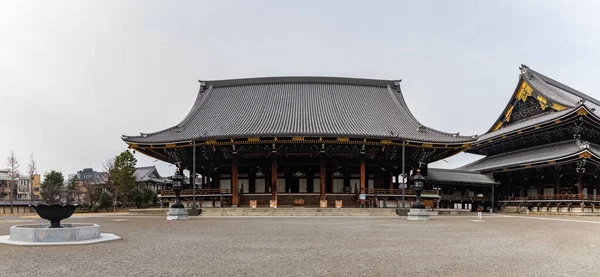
[367, 191]
[398, 191]
[465, 198]
[389, 191]
[554, 197]
[198, 192]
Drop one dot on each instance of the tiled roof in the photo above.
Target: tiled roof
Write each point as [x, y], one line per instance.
[557, 90]
[299, 106]
[145, 173]
[458, 176]
[554, 92]
[531, 155]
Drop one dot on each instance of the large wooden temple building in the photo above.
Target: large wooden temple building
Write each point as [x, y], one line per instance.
[300, 140]
[544, 148]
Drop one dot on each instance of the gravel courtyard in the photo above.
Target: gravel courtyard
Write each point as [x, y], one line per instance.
[319, 246]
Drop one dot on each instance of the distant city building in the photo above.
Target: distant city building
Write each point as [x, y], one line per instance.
[23, 186]
[89, 175]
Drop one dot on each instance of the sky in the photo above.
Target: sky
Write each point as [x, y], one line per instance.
[76, 75]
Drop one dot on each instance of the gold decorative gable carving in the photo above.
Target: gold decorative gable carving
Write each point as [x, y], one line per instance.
[524, 92]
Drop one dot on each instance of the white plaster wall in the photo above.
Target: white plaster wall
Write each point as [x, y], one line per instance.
[225, 184]
[317, 184]
[354, 183]
[281, 185]
[338, 185]
[246, 185]
[303, 185]
[260, 186]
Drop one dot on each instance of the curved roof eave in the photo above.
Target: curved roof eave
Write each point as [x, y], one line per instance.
[438, 136]
[534, 156]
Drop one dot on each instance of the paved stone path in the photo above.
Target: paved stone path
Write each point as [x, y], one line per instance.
[320, 246]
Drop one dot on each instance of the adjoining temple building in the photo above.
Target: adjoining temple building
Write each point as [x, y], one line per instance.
[544, 148]
[299, 140]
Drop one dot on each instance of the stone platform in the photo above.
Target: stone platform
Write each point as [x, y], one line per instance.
[177, 214]
[418, 214]
[280, 212]
[70, 234]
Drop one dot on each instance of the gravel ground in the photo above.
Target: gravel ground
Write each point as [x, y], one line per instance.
[318, 246]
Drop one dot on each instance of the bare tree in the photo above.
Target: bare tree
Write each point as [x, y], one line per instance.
[13, 174]
[32, 170]
[92, 192]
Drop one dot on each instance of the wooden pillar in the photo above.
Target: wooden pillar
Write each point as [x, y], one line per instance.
[362, 175]
[234, 181]
[580, 186]
[322, 177]
[274, 176]
[391, 172]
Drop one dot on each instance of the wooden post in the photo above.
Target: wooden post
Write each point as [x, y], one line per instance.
[362, 175]
[274, 176]
[234, 181]
[322, 177]
[391, 170]
[580, 185]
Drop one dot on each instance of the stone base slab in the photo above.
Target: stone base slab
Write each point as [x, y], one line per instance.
[177, 214]
[418, 214]
[104, 237]
[41, 233]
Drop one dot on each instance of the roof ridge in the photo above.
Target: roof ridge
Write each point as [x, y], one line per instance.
[300, 80]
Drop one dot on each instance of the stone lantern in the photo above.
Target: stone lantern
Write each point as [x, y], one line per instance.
[418, 211]
[177, 211]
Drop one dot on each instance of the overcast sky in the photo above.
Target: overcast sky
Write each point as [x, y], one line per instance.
[76, 75]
